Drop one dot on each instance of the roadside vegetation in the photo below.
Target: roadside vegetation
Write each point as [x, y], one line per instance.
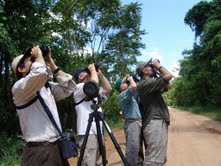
[209, 111]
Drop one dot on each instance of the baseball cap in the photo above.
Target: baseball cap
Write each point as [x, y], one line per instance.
[140, 67]
[118, 83]
[78, 72]
[15, 62]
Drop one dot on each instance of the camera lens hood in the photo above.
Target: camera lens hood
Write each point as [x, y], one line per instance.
[91, 89]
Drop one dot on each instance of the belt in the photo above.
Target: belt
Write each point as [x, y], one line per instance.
[36, 144]
[130, 119]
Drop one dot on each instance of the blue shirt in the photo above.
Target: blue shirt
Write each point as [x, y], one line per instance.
[128, 103]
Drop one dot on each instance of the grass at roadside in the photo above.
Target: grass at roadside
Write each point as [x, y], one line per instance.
[10, 149]
[117, 124]
[209, 111]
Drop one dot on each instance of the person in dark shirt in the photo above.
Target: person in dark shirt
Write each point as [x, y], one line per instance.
[155, 118]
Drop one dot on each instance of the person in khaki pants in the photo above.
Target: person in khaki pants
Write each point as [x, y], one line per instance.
[83, 109]
[156, 118]
[33, 71]
[132, 118]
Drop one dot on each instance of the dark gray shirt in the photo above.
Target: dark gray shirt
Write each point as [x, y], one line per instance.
[154, 107]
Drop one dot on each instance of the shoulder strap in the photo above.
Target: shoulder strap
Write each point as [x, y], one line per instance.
[48, 112]
[47, 85]
[27, 104]
[75, 104]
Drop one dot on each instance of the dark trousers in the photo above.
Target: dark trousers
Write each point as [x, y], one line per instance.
[42, 154]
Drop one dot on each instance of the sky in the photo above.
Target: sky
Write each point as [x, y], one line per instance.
[167, 34]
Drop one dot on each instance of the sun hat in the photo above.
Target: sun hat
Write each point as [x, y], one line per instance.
[15, 62]
[140, 67]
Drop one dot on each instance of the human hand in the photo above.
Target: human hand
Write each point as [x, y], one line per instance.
[91, 67]
[36, 52]
[48, 59]
[155, 63]
[130, 78]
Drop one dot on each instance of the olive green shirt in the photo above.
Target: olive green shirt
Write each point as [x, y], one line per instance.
[150, 93]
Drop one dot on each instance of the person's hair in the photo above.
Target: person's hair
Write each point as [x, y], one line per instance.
[20, 64]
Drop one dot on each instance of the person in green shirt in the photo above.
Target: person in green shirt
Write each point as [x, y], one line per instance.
[132, 118]
[155, 118]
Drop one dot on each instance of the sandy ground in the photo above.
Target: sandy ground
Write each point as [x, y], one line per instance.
[194, 140]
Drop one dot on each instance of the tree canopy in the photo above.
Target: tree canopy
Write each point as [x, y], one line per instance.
[199, 83]
[78, 32]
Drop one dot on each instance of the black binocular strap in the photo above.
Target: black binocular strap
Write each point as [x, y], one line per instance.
[79, 101]
[28, 104]
[47, 85]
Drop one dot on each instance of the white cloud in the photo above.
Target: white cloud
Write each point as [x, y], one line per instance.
[175, 68]
[153, 53]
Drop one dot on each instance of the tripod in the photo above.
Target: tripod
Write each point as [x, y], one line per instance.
[99, 117]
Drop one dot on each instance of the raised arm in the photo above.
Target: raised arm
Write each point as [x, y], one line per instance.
[163, 71]
[54, 68]
[106, 84]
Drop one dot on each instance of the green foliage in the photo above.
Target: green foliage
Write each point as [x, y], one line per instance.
[71, 28]
[14, 160]
[111, 108]
[123, 46]
[197, 17]
[199, 84]
[67, 113]
[10, 145]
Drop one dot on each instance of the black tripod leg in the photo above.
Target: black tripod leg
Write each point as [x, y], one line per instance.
[115, 143]
[90, 120]
[100, 139]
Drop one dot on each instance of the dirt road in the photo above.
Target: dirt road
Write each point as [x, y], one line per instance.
[194, 140]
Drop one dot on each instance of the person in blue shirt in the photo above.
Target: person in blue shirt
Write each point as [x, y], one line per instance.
[132, 118]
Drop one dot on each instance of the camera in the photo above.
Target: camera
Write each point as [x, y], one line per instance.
[150, 62]
[45, 50]
[125, 80]
[128, 82]
[96, 65]
[153, 68]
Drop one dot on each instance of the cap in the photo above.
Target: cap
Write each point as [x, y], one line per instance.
[118, 83]
[140, 67]
[15, 62]
[78, 72]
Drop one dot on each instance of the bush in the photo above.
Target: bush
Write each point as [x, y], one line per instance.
[10, 149]
[111, 108]
[14, 160]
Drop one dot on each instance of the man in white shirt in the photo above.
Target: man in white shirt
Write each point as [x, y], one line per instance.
[33, 71]
[84, 109]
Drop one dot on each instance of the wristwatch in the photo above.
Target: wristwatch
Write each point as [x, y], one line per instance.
[56, 70]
